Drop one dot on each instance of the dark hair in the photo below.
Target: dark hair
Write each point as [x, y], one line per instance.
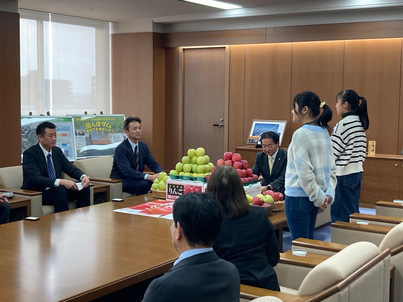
[353, 99]
[41, 128]
[227, 187]
[129, 120]
[200, 217]
[312, 101]
[270, 134]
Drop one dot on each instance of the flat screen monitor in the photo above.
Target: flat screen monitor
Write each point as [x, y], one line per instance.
[261, 126]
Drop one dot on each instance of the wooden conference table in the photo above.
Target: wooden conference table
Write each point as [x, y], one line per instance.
[86, 253]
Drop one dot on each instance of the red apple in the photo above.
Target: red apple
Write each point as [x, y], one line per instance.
[237, 165]
[250, 179]
[243, 173]
[236, 157]
[245, 164]
[228, 156]
[249, 172]
[208, 176]
[257, 201]
[228, 162]
[268, 192]
[239, 172]
[255, 177]
[280, 196]
[220, 162]
[213, 169]
[276, 196]
[244, 179]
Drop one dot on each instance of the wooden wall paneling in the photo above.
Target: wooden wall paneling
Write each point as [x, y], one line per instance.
[173, 110]
[10, 104]
[400, 133]
[318, 67]
[267, 85]
[373, 69]
[235, 122]
[158, 85]
[132, 80]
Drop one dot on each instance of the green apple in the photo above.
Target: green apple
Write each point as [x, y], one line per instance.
[206, 168]
[260, 196]
[188, 174]
[191, 153]
[195, 175]
[194, 159]
[200, 169]
[179, 167]
[211, 165]
[201, 160]
[181, 173]
[267, 199]
[174, 172]
[249, 197]
[187, 168]
[162, 186]
[166, 177]
[154, 186]
[156, 181]
[194, 168]
[207, 158]
[162, 175]
[200, 151]
[186, 160]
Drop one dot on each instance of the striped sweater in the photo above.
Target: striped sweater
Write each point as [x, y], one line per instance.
[349, 145]
[311, 171]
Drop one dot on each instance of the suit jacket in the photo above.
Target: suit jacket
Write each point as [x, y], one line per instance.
[277, 177]
[250, 243]
[35, 168]
[124, 165]
[199, 278]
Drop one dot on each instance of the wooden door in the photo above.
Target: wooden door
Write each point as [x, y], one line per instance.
[204, 99]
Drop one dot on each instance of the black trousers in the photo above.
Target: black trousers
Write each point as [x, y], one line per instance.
[59, 197]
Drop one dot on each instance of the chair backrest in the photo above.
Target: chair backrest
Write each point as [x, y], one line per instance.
[96, 166]
[393, 238]
[11, 177]
[343, 264]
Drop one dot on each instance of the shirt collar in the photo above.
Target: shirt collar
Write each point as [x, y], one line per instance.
[45, 152]
[349, 113]
[133, 144]
[192, 252]
[274, 155]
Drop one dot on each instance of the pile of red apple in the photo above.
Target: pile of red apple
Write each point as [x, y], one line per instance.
[241, 166]
[277, 196]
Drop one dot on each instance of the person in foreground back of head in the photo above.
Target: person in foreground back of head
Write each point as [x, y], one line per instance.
[198, 274]
[247, 237]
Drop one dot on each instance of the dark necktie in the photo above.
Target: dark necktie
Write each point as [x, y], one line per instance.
[50, 166]
[136, 157]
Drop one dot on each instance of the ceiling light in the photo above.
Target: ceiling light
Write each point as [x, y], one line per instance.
[216, 4]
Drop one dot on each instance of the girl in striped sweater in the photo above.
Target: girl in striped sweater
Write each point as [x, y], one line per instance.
[310, 177]
[349, 147]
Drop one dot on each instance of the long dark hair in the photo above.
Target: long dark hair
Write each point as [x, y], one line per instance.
[312, 101]
[225, 184]
[353, 99]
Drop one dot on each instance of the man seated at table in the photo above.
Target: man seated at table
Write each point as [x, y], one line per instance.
[271, 163]
[198, 274]
[4, 209]
[43, 166]
[130, 158]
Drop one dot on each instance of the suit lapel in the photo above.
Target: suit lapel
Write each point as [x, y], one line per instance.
[42, 160]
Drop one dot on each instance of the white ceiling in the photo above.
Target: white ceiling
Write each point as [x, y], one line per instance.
[174, 15]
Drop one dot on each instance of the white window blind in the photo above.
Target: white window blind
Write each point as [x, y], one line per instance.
[65, 64]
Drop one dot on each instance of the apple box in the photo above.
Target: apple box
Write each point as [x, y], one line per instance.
[253, 189]
[178, 187]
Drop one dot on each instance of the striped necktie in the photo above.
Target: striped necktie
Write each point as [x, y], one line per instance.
[50, 166]
[136, 157]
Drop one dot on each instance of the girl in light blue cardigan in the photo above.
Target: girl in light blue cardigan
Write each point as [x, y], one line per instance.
[310, 177]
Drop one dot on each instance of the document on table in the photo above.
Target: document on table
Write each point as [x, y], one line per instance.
[156, 208]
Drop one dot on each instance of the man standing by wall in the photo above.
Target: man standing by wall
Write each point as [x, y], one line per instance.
[130, 158]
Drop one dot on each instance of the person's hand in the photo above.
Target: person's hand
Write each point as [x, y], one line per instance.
[68, 184]
[263, 188]
[85, 181]
[152, 177]
[3, 198]
[325, 203]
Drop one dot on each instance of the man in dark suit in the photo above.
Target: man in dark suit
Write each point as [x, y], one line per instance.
[4, 209]
[198, 274]
[43, 165]
[271, 163]
[130, 158]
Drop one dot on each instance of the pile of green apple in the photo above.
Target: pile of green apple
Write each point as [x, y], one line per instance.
[160, 182]
[260, 200]
[195, 164]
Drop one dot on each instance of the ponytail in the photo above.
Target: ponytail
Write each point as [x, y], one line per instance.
[325, 117]
[360, 108]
